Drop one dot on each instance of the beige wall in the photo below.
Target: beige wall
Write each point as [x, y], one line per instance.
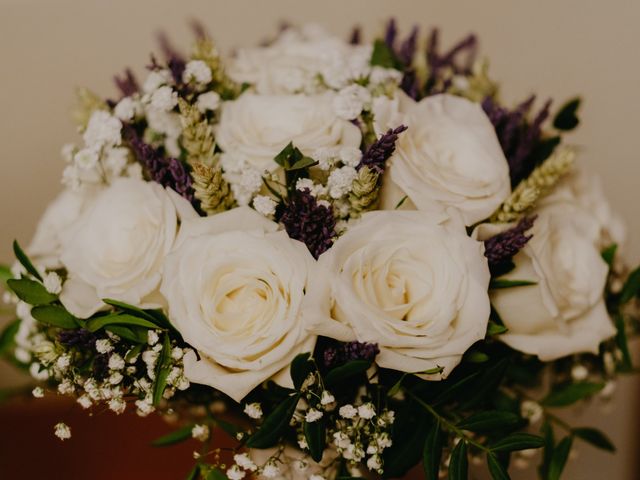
[555, 48]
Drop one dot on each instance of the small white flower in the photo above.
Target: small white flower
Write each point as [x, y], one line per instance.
[116, 362]
[198, 71]
[200, 432]
[341, 440]
[374, 463]
[265, 205]
[134, 170]
[579, 372]
[87, 158]
[326, 398]
[253, 410]
[386, 418]
[340, 181]
[609, 363]
[382, 75]
[531, 410]
[102, 130]
[63, 362]
[183, 383]
[384, 441]
[117, 405]
[316, 477]
[315, 189]
[144, 407]
[37, 372]
[302, 443]
[270, 471]
[243, 461]
[85, 401]
[62, 431]
[608, 390]
[348, 411]
[208, 101]
[156, 79]
[164, 99]
[235, 473]
[53, 283]
[177, 353]
[66, 387]
[367, 411]
[115, 378]
[313, 415]
[152, 337]
[326, 157]
[38, 392]
[350, 156]
[103, 346]
[116, 160]
[125, 110]
[67, 152]
[71, 177]
[350, 101]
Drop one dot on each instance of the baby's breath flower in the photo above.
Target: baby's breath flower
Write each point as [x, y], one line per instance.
[302, 442]
[117, 405]
[270, 471]
[313, 415]
[38, 392]
[316, 477]
[348, 411]
[374, 463]
[198, 71]
[62, 431]
[144, 407]
[152, 337]
[103, 346]
[340, 181]
[367, 411]
[579, 372]
[164, 99]
[200, 432]
[66, 387]
[235, 473]
[243, 461]
[116, 362]
[531, 410]
[115, 378]
[253, 410]
[208, 101]
[177, 353]
[265, 205]
[125, 109]
[326, 398]
[53, 283]
[63, 362]
[85, 401]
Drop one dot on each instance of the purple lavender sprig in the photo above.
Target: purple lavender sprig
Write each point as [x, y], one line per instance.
[459, 59]
[335, 356]
[81, 338]
[505, 245]
[381, 150]
[127, 83]
[175, 61]
[168, 172]
[311, 223]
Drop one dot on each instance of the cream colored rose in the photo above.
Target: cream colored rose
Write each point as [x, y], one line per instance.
[235, 287]
[255, 128]
[449, 156]
[117, 246]
[300, 60]
[412, 282]
[53, 229]
[564, 313]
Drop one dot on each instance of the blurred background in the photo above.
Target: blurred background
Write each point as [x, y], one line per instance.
[554, 49]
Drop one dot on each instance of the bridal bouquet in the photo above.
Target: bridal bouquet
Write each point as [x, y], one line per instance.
[351, 257]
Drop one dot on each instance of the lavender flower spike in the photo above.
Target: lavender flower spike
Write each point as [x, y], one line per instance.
[380, 150]
[505, 245]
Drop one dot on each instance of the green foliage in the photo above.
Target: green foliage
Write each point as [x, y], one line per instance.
[24, 261]
[571, 393]
[295, 165]
[383, 56]
[174, 437]
[132, 334]
[274, 425]
[8, 335]
[490, 420]
[155, 316]
[566, 119]
[5, 274]
[559, 458]
[162, 370]
[31, 292]
[216, 474]
[609, 253]
[347, 371]
[497, 283]
[316, 435]
[494, 328]
[496, 469]
[517, 441]
[55, 316]
[594, 437]
[97, 323]
[547, 452]
[409, 436]
[622, 343]
[458, 465]
[432, 452]
[631, 287]
[301, 367]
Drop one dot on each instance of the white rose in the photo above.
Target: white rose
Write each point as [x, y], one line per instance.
[53, 228]
[297, 59]
[449, 156]
[235, 287]
[412, 282]
[257, 127]
[117, 246]
[564, 313]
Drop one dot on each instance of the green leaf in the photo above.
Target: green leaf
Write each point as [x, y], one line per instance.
[517, 441]
[5, 274]
[55, 316]
[496, 469]
[194, 474]
[162, 370]
[216, 474]
[383, 56]
[489, 420]
[402, 200]
[543, 150]
[227, 427]
[458, 465]
[30, 291]
[410, 430]
[451, 391]
[495, 329]
[275, 424]
[316, 435]
[476, 356]
[8, 335]
[133, 352]
[275, 193]
[631, 286]
[304, 162]
[559, 458]
[609, 253]
[174, 437]
[348, 370]
[288, 156]
[571, 393]
[301, 367]
[95, 324]
[547, 453]
[497, 283]
[133, 334]
[432, 452]
[595, 437]
[155, 316]
[566, 119]
[397, 386]
[487, 383]
[622, 342]
[24, 260]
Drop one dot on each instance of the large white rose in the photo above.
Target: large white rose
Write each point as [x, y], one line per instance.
[255, 128]
[300, 61]
[235, 287]
[450, 156]
[564, 313]
[53, 229]
[412, 282]
[117, 246]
